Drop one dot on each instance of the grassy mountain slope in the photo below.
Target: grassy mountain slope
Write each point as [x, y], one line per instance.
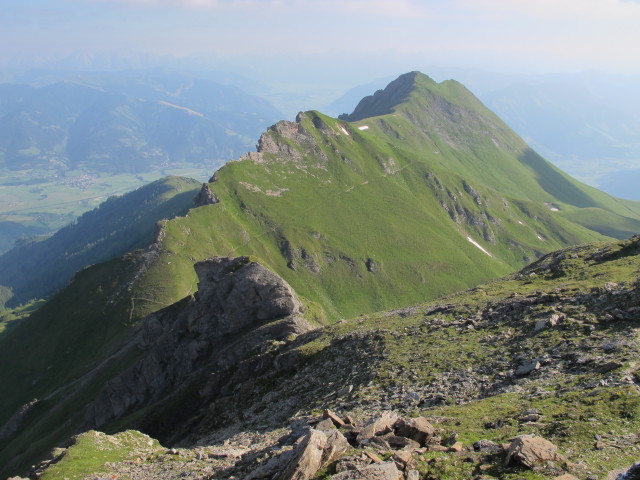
[436, 194]
[120, 224]
[449, 103]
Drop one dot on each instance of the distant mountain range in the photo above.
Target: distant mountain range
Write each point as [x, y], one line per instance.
[119, 124]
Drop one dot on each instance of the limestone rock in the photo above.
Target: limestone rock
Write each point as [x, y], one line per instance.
[530, 451]
[335, 447]
[412, 475]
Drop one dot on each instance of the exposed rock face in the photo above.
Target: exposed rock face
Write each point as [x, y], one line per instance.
[205, 197]
[14, 422]
[271, 142]
[212, 332]
[237, 292]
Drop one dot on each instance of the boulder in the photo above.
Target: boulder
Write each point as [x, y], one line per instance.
[271, 467]
[404, 460]
[353, 462]
[325, 425]
[306, 458]
[335, 446]
[377, 426]
[530, 451]
[456, 447]
[488, 446]
[397, 442]
[337, 421]
[527, 368]
[418, 429]
[376, 471]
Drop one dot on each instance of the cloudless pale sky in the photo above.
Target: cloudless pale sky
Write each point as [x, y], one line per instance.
[535, 36]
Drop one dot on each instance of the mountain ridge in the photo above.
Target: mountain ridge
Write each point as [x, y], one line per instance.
[433, 198]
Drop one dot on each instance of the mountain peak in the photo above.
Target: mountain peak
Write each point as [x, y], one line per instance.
[384, 101]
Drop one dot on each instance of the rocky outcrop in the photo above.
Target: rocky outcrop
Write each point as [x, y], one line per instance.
[238, 292]
[279, 140]
[239, 305]
[205, 197]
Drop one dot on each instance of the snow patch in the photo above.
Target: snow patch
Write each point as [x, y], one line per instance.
[344, 130]
[364, 127]
[478, 245]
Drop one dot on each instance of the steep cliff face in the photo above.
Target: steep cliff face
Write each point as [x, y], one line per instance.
[211, 333]
[182, 356]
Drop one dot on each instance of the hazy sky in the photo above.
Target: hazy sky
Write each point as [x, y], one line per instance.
[504, 35]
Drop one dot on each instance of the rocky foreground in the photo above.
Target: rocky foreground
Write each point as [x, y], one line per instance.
[386, 447]
[534, 376]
